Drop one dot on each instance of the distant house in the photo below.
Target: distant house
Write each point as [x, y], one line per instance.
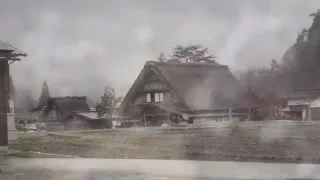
[22, 115]
[38, 113]
[84, 120]
[301, 105]
[172, 92]
[57, 109]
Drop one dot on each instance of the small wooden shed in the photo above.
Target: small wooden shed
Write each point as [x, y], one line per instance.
[84, 120]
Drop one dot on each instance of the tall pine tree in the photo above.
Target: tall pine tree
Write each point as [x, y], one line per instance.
[45, 94]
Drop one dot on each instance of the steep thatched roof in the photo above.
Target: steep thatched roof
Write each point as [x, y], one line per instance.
[308, 94]
[8, 52]
[198, 86]
[67, 105]
[45, 94]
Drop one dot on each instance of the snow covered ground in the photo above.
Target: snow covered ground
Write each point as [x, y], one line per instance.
[98, 169]
[267, 141]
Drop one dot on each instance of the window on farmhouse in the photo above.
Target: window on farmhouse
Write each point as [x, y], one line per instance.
[157, 97]
[161, 97]
[148, 97]
[154, 97]
[153, 86]
[53, 113]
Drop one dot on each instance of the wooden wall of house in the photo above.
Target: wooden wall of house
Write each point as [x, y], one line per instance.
[4, 92]
[54, 114]
[150, 85]
[38, 116]
[76, 124]
[314, 113]
[54, 126]
[171, 98]
[167, 97]
[154, 84]
[139, 99]
[97, 124]
[53, 122]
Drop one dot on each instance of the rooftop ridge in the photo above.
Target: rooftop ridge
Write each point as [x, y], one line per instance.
[68, 97]
[156, 63]
[87, 111]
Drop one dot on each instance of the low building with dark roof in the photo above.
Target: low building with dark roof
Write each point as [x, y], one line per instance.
[85, 120]
[54, 112]
[166, 92]
[302, 104]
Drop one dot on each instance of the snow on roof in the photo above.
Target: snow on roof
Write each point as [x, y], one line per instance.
[90, 115]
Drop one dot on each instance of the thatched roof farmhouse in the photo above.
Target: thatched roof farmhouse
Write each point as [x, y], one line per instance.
[165, 91]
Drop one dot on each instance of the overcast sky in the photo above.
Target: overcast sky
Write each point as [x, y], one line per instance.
[80, 46]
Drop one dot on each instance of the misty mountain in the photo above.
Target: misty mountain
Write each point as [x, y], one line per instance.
[301, 61]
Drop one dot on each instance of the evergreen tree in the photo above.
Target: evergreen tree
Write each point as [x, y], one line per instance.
[313, 34]
[275, 66]
[108, 104]
[192, 53]
[45, 94]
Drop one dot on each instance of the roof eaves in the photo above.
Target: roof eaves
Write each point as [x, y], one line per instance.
[126, 99]
[156, 63]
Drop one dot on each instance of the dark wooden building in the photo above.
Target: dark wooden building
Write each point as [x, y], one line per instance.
[300, 105]
[57, 109]
[8, 54]
[173, 92]
[84, 120]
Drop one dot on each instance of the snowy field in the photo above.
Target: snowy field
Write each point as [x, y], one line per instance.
[102, 169]
[267, 141]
